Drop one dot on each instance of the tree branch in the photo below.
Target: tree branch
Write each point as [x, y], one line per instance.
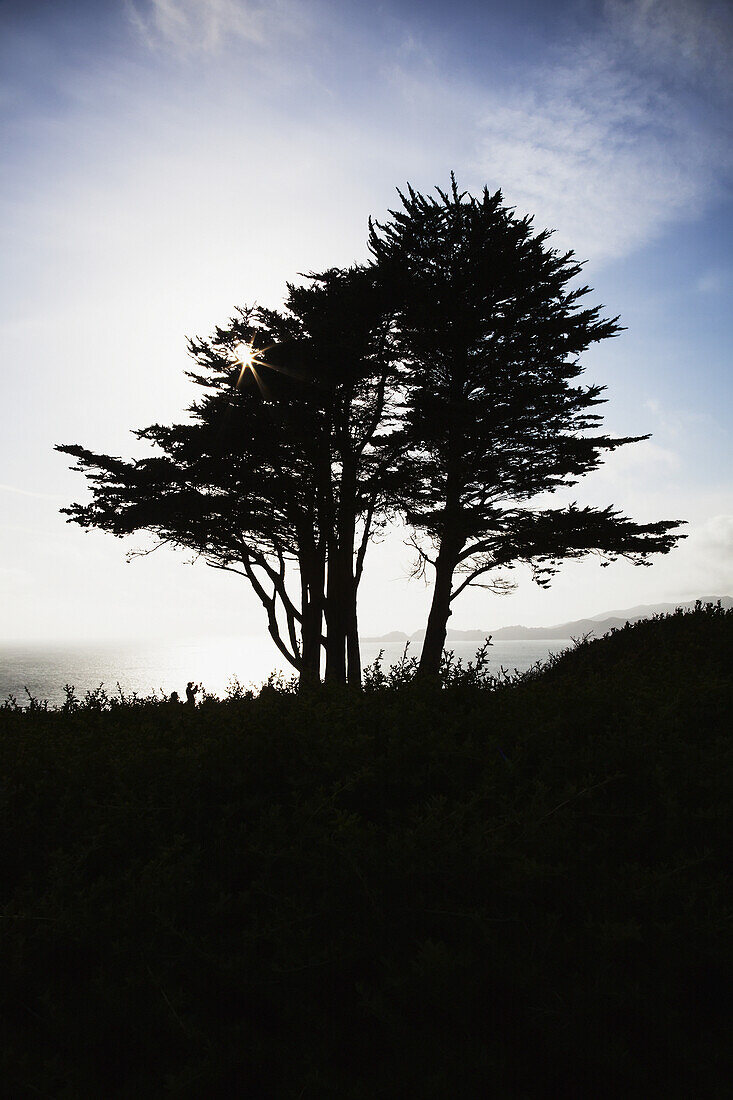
[272, 624]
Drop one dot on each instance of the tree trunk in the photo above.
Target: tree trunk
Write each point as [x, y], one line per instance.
[335, 622]
[310, 674]
[352, 640]
[341, 597]
[437, 626]
[451, 544]
[347, 540]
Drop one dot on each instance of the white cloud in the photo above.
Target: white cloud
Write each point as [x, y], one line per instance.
[682, 425]
[29, 493]
[205, 26]
[704, 562]
[712, 282]
[583, 176]
[645, 459]
[715, 537]
[157, 219]
[694, 36]
[600, 144]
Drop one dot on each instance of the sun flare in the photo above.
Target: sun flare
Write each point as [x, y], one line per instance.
[249, 358]
[245, 354]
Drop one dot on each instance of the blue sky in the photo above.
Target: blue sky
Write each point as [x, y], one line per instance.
[166, 161]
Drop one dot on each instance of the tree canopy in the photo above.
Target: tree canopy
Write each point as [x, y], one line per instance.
[284, 467]
[439, 382]
[490, 325]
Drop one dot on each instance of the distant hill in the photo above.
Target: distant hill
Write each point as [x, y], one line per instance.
[597, 625]
[645, 611]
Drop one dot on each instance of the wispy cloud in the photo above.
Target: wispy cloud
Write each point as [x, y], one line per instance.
[679, 423]
[29, 493]
[695, 37]
[707, 556]
[189, 27]
[716, 536]
[602, 143]
[713, 282]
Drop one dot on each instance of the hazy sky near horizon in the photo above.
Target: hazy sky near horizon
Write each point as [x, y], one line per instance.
[167, 160]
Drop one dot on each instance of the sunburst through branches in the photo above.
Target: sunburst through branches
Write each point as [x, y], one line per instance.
[249, 358]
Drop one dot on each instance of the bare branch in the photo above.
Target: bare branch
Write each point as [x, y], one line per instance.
[500, 586]
[272, 624]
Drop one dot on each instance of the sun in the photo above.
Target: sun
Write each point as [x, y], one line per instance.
[244, 355]
[248, 358]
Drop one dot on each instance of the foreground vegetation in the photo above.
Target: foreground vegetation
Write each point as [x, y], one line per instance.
[484, 889]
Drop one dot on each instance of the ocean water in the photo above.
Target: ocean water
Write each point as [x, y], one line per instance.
[163, 667]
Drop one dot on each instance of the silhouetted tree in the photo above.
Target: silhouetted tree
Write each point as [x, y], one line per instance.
[344, 335]
[283, 463]
[439, 380]
[490, 331]
[235, 485]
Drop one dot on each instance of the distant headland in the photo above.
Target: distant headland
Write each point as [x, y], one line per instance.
[597, 625]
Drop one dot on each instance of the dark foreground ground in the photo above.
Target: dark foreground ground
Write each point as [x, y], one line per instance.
[479, 891]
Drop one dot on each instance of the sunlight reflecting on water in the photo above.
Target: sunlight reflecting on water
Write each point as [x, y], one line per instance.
[165, 667]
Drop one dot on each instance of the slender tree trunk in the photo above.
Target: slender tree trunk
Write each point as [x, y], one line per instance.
[335, 621]
[352, 640]
[440, 611]
[311, 635]
[333, 605]
[312, 576]
[341, 597]
[347, 540]
[451, 544]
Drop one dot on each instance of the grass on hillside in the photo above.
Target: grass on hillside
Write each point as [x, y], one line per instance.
[484, 890]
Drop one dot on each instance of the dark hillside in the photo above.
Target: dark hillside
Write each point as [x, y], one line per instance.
[506, 891]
